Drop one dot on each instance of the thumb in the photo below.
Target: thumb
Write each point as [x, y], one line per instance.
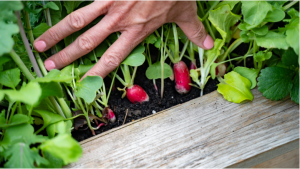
[195, 32]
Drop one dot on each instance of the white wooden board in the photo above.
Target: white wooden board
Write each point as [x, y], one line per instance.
[205, 132]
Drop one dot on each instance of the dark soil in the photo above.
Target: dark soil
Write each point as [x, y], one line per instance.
[156, 104]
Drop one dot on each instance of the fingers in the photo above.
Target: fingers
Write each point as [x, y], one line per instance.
[70, 24]
[196, 32]
[81, 46]
[115, 54]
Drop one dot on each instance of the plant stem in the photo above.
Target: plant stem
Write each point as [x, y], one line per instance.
[133, 75]
[112, 83]
[27, 46]
[167, 50]
[183, 49]
[211, 8]
[57, 107]
[21, 65]
[31, 39]
[286, 7]
[234, 45]
[69, 93]
[74, 117]
[206, 23]
[162, 60]
[176, 41]
[126, 74]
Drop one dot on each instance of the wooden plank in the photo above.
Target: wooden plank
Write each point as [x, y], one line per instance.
[272, 158]
[205, 132]
[287, 160]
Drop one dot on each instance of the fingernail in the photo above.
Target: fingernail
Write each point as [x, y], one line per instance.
[49, 65]
[40, 46]
[208, 42]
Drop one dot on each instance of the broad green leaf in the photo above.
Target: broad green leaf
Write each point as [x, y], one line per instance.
[13, 134]
[59, 127]
[250, 74]
[212, 55]
[10, 78]
[151, 39]
[235, 88]
[275, 82]
[272, 40]
[21, 156]
[278, 3]
[55, 76]
[71, 5]
[290, 58]
[6, 32]
[136, 57]
[217, 18]
[261, 56]
[16, 120]
[40, 29]
[48, 117]
[4, 59]
[226, 2]
[7, 8]
[51, 5]
[63, 147]
[295, 89]
[292, 34]
[154, 71]
[86, 89]
[254, 12]
[51, 89]
[275, 16]
[261, 31]
[28, 94]
[54, 162]
[84, 68]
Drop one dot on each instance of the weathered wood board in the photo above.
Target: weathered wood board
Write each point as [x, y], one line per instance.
[205, 132]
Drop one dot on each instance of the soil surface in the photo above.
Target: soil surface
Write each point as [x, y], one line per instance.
[156, 104]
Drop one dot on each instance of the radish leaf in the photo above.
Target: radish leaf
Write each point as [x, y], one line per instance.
[55, 76]
[86, 89]
[10, 78]
[235, 88]
[71, 5]
[272, 40]
[295, 90]
[40, 29]
[154, 71]
[136, 57]
[250, 74]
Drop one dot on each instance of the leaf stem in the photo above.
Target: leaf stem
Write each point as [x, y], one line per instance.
[286, 7]
[21, 65]
[206, 23]
[27, 46]
[176, 41]
[234, 45]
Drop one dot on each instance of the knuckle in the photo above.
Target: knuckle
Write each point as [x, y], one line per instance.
[86, 43]
[76, 20]
[53, 35]
[199, 33]
[63, 58]
[113, 59]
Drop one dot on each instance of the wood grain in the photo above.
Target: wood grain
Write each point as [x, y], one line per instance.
[205, 132]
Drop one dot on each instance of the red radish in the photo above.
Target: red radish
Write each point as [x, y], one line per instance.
[221, 69]
[182, 78]
[109, 114]
[193, 65]
[98, 126]
[136, 94]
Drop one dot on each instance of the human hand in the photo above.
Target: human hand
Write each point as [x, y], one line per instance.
[134, 19]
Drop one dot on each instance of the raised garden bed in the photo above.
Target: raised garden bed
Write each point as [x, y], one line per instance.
[207, 132]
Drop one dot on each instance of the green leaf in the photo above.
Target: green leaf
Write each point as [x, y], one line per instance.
[226, 2]
[6, 32]
[261, 31]
[254, 12]
[55, 76]
[10, 78]
[84, 68]
[13, 134]
[275, 16]
[275, 82]
[63, 147]
[86, 89]
[16, 120]
[217, 18]
[136, 57]
[212, 55]
[292, 34]
[250, 74]
[71, 5]
[40, 29]
[195, 76]
[4, 59]
[52, 5]
[7, 8]
[151, 39]
[290, 58]
[235, 88]
[272, 40]
[51, 89]
[295, 89]
[56, 14]
[154, 71]
[54, 162]
[21, 156]
[262, 56]
[28, 94]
